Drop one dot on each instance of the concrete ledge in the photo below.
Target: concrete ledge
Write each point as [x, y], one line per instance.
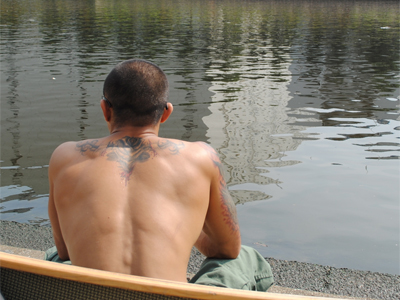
[290, 277]
[23, 252]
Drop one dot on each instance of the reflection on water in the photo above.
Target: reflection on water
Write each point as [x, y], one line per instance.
[300, 99]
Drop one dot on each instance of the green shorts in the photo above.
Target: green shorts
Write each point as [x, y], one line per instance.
[52, 255]
[249, 271]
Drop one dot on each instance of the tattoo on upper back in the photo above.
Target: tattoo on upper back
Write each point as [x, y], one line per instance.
[227, 205]
[129, 151]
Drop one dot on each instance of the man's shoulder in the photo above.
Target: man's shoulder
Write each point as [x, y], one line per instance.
[79, 146]
[207, 150]
[206, 147]
[64, 148]
[192, 146]
[68, 150]
[201, 153]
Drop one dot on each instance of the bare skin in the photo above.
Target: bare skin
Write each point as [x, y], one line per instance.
[135, 203]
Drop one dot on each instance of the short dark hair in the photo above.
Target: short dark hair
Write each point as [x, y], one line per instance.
[138, 92]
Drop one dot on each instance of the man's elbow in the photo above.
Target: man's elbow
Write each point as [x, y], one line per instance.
[234, 253]
[230, 252]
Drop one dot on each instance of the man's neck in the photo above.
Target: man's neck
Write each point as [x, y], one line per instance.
[139, 132]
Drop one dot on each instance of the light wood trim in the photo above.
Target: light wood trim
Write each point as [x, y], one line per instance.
[136, 283]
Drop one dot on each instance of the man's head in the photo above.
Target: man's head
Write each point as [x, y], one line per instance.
[137, 91]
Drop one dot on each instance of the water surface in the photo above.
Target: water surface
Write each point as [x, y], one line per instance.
[300, 99]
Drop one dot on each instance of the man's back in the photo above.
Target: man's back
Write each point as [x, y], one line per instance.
[131, 205]
[133, 202]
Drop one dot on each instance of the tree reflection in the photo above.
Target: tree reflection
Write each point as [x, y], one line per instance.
[328, 54]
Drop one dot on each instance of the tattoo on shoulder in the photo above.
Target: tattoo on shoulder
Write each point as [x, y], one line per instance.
[129, 151]
[214, 157]
[85, 146]
[227, 205]
[173, 147]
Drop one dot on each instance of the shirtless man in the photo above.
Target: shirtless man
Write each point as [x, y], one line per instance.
[133, 202]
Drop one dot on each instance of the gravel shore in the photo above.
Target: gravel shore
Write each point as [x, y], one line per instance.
[288, 274]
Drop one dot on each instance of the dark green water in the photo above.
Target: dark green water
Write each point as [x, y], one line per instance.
[300, 99]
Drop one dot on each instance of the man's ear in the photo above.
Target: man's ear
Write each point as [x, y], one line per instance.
[106, 110]
[167, 112]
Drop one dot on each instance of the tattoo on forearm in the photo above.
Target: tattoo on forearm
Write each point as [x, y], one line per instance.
[129, 151]
[227, 205]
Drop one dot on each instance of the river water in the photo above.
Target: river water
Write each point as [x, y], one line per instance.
[299, 98]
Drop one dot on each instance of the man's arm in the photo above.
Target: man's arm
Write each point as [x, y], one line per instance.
[53, 215]
[220, 237]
